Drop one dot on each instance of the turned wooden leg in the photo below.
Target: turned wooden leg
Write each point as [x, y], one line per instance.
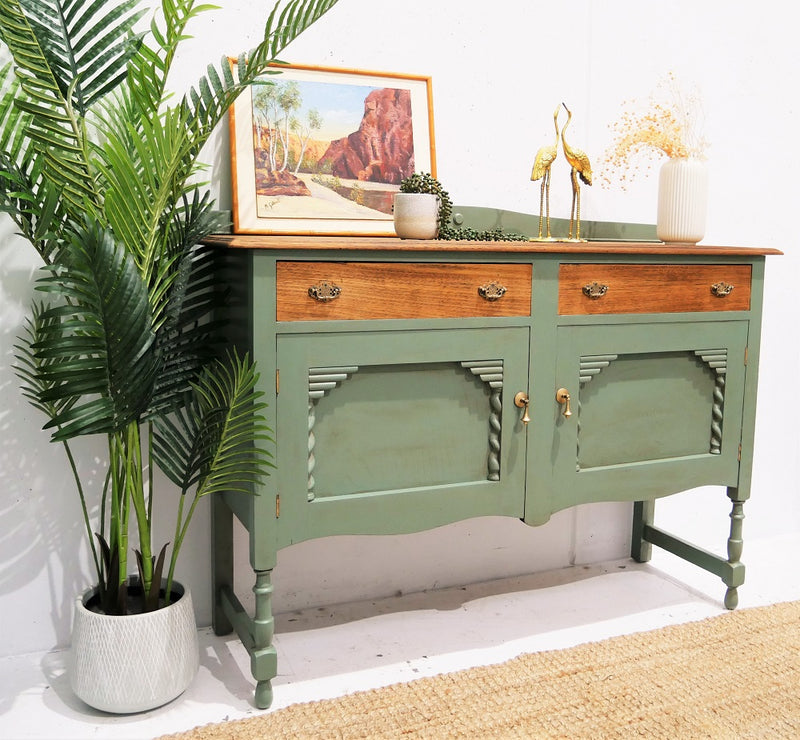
[735, 546]
[263, 658]
[263, 694]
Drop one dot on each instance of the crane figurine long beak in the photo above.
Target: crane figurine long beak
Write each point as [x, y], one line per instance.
[581, 171]
[541, 171]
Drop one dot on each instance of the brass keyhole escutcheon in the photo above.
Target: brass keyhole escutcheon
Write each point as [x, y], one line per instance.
[521, 400]
[562, 396]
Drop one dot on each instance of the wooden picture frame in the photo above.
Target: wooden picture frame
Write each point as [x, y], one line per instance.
[353, 135]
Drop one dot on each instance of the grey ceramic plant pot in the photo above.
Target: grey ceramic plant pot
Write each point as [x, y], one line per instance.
[126, 664]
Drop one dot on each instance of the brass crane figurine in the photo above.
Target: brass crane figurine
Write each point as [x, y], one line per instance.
[580, 168]
[541, 171]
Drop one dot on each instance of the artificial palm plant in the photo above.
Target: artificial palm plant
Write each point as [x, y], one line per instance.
[98, 169]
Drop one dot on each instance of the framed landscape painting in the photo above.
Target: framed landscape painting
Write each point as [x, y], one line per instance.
[322, 151]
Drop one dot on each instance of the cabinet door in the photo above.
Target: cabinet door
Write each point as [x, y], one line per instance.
[398, 431]
[656, 408]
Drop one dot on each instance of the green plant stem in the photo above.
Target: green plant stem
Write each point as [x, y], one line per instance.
[84, 509]
[104, 504]
[150, 488]
[181, 528]
[118, 520]
[135, 490]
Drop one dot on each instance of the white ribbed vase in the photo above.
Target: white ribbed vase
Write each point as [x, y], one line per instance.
[682, 201]
[136, 662]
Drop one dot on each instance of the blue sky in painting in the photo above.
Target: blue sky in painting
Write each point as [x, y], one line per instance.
[341, 106]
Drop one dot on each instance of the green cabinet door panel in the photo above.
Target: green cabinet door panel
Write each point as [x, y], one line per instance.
[656, 409]
[396, 432]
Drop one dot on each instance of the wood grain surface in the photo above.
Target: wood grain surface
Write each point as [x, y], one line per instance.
[375, 290]
[652, 288]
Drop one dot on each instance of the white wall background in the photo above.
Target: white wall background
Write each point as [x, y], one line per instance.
[498, 71]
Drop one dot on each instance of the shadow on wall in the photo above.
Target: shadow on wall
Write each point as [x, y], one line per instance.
[42, 533]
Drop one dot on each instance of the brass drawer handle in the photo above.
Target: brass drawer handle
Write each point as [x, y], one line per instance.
[563, 397]
[595, 290]
[492, 291]
[522, 401]
[720, 290]
[325, 291]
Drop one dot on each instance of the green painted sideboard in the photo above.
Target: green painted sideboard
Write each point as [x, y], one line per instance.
[412, 384]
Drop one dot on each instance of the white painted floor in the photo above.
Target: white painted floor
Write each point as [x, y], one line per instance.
[328, 652]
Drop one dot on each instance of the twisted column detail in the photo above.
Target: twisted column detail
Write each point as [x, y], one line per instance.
[491, 373]
[717, 360]
[321, 381]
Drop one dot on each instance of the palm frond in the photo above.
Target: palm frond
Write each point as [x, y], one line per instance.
[87, 44]
[96, 348]
[210, 99]
[150, 157]
[187, 338]
[285, 24]
[13, 122]
[33, 202]
[149, 68]
[54, 126]
[32, 370]
[218, 442]
[189, 298]
[146, 170]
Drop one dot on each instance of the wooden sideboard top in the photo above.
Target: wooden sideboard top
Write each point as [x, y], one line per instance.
[379, 244]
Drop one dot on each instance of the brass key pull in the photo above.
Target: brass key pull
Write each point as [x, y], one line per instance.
[325, 291]
[521, 400]
[562, 396]
[595, 290]
[492, 291]
[720, 290]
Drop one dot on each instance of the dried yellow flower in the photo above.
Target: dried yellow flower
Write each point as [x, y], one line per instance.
[666, 127]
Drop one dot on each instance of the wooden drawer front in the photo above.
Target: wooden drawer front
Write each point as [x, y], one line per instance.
[374, 290]
[652, 288]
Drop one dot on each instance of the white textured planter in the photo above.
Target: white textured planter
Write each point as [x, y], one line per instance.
[136, 662]
[416, 215]
[682, 201]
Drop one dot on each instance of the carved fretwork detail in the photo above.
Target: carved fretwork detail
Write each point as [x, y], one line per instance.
[321, 381]
[717, 360]
[491, 373]
[590, 367]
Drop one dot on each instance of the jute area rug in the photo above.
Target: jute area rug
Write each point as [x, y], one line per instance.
[736, 675]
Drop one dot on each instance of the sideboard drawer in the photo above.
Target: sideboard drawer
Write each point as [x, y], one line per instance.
[608, 289]
[325, 291]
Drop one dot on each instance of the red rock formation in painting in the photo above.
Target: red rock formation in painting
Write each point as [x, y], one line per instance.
[382, 149]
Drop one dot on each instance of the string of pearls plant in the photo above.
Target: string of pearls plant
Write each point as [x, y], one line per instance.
[424, 182]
